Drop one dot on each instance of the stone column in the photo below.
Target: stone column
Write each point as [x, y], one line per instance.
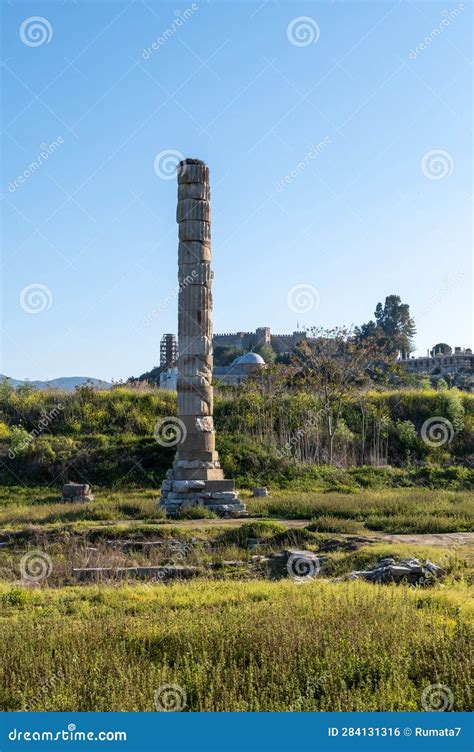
[196, 477]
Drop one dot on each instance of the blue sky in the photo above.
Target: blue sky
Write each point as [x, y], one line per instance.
[381, 206]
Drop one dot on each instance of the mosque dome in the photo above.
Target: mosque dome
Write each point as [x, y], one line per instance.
[249, 359]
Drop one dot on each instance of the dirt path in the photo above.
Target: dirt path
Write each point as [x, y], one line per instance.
[426, 539]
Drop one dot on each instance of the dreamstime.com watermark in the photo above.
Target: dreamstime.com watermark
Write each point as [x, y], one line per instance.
[303, 298]
[36, 31]
[44, 690]
[301, 433]
[71, 734]
[180, 19]
[170, 431]
[303, 31]
[44, 423]
[302, 567]
[301, 166]
[312, 689]
[170, 698]
[437, 164]
[437, 431]
[46, 151]
[147, 320]
[449, 17]
[449, 284]
[437, 698]
[166, 164]
[36, 298]
[35, 566]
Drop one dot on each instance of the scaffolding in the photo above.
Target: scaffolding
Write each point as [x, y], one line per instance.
[168, 351]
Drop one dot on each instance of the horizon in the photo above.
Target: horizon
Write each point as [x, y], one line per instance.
[340, 172]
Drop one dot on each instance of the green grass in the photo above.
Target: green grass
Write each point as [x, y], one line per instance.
[240, 646]
[391, 511]
[403, 510]
[20, 505]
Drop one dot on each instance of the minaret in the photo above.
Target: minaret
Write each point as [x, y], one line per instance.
[196, 477]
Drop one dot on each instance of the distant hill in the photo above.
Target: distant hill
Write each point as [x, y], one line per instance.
[66, 383]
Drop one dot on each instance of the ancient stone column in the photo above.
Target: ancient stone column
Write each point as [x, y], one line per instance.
[196, 477]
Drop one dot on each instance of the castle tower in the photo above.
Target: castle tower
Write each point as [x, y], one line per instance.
[196, 476]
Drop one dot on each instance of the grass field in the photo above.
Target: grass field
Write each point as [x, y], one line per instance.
[235, 646]
[407, 510]
[232, 639]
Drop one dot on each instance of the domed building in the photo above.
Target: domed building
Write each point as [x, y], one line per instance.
[239, 370]
[248, 362]
[233, 375]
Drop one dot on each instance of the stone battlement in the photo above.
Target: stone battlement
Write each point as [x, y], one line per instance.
[281, 343]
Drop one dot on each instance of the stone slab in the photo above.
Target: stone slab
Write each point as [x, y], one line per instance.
[76, 489]
[195, 345]
[195, 365]
[197, 443]
[193, 404]
[184, 454]
[195, 273]
[143, 573]
[194, 230]
[184, 486]
[192, 171]
[193, 252]
[191, 208]
[206, 474]
[194, 190]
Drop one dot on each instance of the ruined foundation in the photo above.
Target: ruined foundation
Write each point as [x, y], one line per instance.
[196, 477]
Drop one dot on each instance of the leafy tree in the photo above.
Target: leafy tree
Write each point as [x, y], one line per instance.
[6, 389]
[336, 367]
[392, 331]
[267, 352]
[224, 356]
[407, 436]
[26, 388]
[394, 319]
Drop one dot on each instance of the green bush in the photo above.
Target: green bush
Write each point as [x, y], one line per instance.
[263, 439]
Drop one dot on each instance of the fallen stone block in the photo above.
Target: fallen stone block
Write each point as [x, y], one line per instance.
[388, 570]
[76, 492]
[168, 572]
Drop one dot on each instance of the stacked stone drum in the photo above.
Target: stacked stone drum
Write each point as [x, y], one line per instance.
[196, 477]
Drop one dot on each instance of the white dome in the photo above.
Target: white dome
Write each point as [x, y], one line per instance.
[249, 358]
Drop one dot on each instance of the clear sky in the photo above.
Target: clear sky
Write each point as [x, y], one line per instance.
[338, 139]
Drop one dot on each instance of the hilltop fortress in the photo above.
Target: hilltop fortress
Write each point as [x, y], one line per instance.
[246, 341]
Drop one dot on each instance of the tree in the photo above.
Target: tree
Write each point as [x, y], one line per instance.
[267, 352]
[6, 389]
[336, 367]
[224, 356]
[25, 388]
[395, 321]
[392, 331]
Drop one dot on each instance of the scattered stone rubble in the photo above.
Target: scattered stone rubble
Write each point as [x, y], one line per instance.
[76, 492]
[260, 491]
[167, 572]
[406, 570]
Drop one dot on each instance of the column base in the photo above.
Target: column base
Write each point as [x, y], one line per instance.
[219, 496]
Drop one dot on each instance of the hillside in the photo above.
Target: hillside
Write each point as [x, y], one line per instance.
[64, 383]
[393, 438]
